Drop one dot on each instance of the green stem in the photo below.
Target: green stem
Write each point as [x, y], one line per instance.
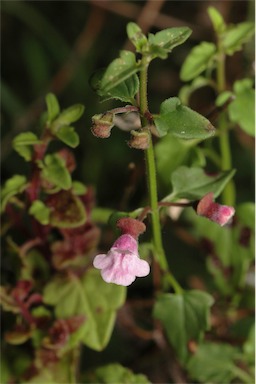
[228, 194]
[152, 186]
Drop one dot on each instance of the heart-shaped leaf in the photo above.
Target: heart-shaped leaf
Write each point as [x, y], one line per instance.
[182, 121]
[184, 317]
[89, 296]
[217, 360]
[194, 183]
[244, 101]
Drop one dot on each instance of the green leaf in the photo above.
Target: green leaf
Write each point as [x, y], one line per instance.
[16, 184]
[124, 91]
[184, 317]
[199, 59]
[172, 152]
[79, 188]
[223, 97]
[118, 71]
[67, 116]
[237, 35]
[23, 143]
[136, 36]
[40, 211]
[182, 121]
[217, 20]
[246, 214]
[89, 296]
[53, 108]
[68, 136]
[164, 41]
[249, 346]
[213, 363]
[244, 101]
[194, 183]
[116, 373]
[55, 171]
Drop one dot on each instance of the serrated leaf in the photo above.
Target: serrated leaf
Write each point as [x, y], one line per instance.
[244, 101]
[163, 42]
[237, 35]
[217, 361]
[184, 317]
[89, 296]
[53, 108]
[201, 57]
[182, 121]
[67, 116]
[55, 171]
[118, 71]
[68, 136]
[216, 19]
[194, 183]
[136, 36]
[16, 184]
[23, 143]
[40, 211]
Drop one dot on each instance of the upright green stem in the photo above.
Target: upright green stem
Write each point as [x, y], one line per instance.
[152, 185]
[228, 195]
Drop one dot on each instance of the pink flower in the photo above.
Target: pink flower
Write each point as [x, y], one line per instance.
[122, 264]
[221, 214]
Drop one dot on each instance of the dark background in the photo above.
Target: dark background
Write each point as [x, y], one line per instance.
[55, 46]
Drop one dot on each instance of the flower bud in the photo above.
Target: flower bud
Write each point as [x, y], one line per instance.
[131, 226]
[102, 125]
[220, 214]
[139, 139]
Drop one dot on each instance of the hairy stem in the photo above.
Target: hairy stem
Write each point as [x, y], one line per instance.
[168, 279]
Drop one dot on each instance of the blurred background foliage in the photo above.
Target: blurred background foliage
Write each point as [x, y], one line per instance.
[56, 46]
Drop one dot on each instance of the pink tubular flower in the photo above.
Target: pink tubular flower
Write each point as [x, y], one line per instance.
[122, 264]
[221, 214]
